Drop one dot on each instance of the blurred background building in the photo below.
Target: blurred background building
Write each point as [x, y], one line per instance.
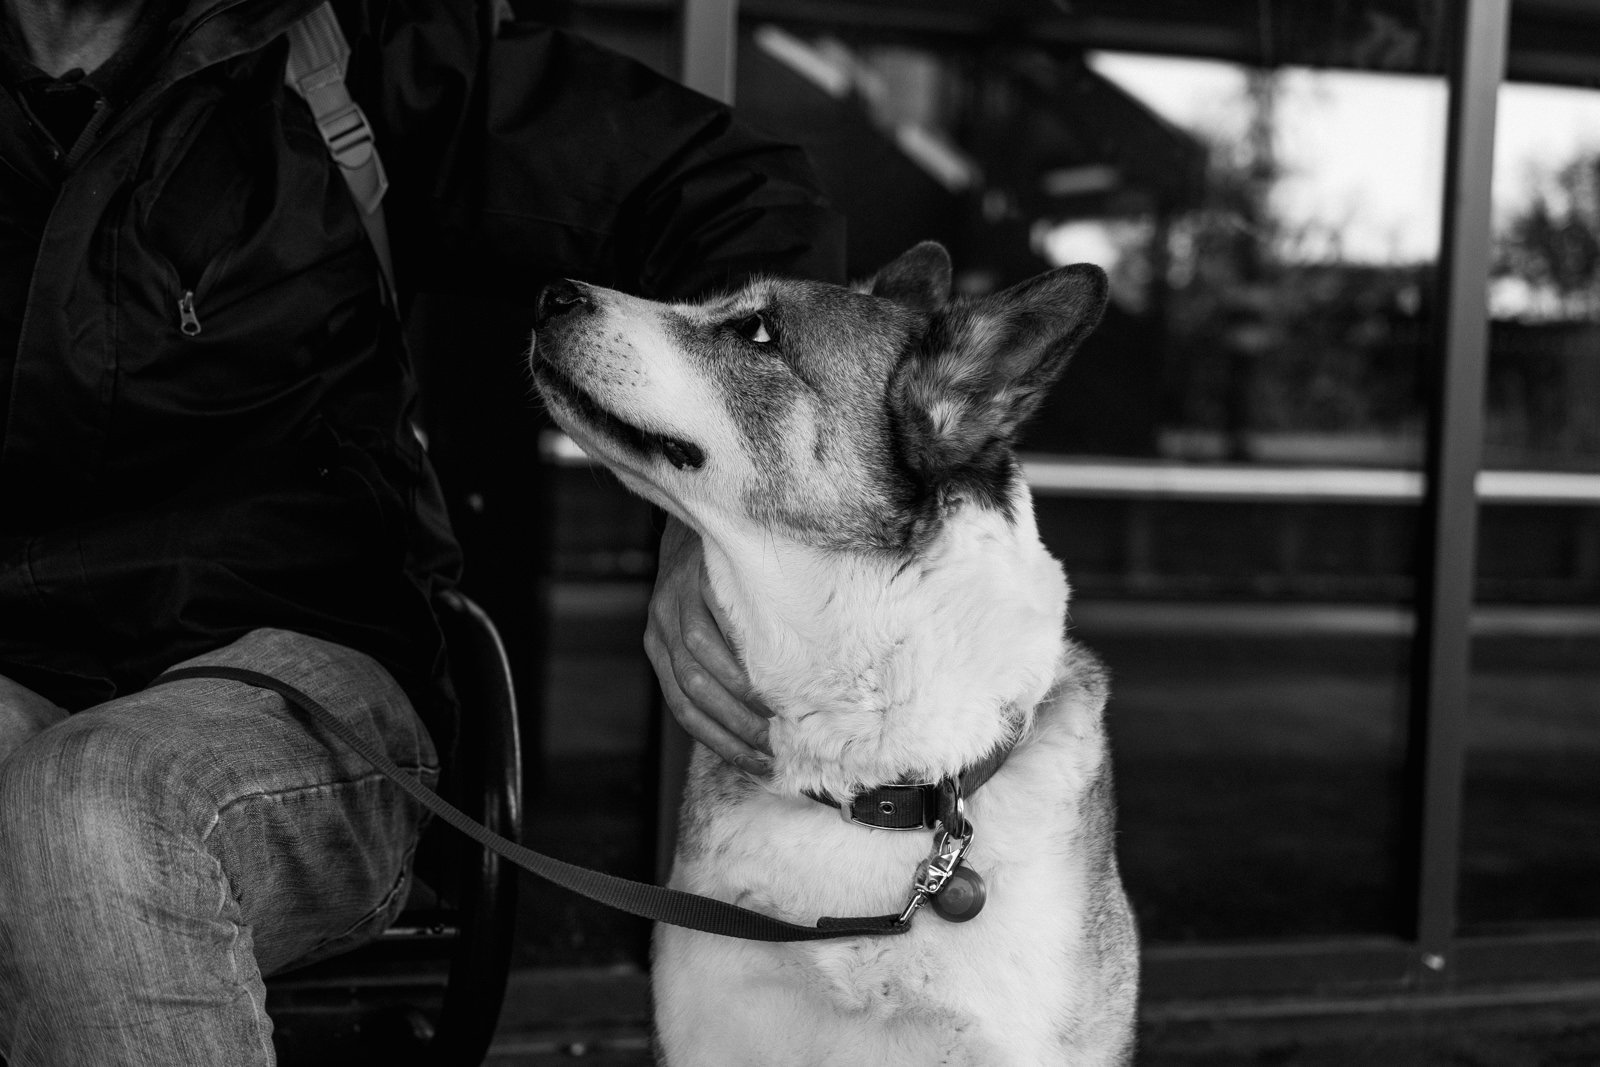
[1327, 480]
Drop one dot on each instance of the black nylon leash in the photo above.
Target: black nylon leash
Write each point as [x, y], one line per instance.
[643, 899]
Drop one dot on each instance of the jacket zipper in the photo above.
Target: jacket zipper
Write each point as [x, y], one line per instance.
[188, 321]
[188, 312]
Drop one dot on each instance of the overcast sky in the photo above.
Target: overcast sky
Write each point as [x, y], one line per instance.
[1364, 153]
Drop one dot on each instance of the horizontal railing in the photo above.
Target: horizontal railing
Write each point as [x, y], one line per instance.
[1052, 476]
[1156, 480]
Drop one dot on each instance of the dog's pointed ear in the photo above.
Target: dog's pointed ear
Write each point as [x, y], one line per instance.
[919, 279]
[984, 367]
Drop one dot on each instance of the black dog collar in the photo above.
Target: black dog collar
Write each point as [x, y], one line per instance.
[917, 805]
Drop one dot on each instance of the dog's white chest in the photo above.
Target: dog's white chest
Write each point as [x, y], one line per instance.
[876, 978]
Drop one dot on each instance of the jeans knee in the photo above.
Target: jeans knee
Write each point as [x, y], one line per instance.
[88, 799]
[119, 941]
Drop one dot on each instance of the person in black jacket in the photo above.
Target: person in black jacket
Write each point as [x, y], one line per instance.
[206, 457]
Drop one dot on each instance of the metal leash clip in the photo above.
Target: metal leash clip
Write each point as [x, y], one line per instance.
[935, 874]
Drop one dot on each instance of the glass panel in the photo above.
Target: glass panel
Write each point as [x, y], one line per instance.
[1229, 470]
[1531, 853]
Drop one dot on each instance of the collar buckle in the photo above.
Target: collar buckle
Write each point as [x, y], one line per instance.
[917, 805]
[903, 806]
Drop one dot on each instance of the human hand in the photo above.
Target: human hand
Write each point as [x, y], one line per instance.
[703, 683]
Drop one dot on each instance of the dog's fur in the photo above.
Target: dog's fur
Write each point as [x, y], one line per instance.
[870, 539]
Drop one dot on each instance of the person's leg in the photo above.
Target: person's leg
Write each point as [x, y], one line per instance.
[160, 853]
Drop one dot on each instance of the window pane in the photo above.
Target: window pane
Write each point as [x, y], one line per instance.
[1230, 469]
[1531, 851]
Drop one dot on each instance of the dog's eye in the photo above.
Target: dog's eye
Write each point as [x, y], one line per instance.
[757, 329]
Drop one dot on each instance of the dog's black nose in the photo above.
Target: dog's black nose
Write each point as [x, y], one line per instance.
[559, 298]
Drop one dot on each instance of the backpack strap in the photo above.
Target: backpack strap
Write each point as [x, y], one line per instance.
[318, 53]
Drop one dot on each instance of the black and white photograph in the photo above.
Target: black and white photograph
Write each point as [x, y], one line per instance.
[800, 533]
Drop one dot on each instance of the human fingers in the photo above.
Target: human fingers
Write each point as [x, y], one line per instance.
[692, 714]
[708, 690]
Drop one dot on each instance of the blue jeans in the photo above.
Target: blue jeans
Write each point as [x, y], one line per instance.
[160, 853]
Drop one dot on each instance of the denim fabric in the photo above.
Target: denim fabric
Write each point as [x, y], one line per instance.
[23, 713]
[161, 852]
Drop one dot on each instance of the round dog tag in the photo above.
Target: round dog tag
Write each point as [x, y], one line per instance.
[962, 896]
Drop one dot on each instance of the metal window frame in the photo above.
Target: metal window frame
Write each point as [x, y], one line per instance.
[1455, 453]
[1430, 960]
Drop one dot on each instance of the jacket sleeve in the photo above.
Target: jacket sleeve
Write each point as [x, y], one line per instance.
[533, 154]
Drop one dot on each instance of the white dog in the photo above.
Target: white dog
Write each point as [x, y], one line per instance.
[846, 457]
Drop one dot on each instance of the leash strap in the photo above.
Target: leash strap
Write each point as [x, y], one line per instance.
[647, 901]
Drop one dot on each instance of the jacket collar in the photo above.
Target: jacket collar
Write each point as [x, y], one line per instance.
[65, 108]
[209, 32]
[171, 39]
[205, 34]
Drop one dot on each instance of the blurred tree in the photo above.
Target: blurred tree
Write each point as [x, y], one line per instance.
[1552, 245]
[1544, 408]
[1274, 331]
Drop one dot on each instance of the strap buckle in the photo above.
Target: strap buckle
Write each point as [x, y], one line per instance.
[347, 133]
[903, 806]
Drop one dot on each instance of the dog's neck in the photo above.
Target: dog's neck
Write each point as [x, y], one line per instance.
[882, 669]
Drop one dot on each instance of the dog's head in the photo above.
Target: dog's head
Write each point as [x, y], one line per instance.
[843, 418]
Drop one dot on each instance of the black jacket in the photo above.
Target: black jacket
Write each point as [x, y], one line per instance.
[163, 492]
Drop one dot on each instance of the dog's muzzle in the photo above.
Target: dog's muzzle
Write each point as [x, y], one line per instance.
[567, 299]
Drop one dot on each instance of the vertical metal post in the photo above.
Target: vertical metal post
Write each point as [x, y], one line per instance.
[710, 44]
[1455, 453]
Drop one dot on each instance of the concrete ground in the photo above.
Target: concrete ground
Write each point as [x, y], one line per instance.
[572, 1017]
